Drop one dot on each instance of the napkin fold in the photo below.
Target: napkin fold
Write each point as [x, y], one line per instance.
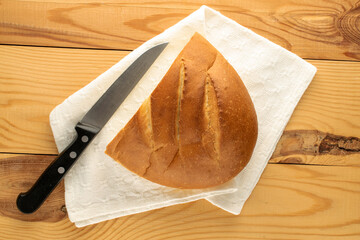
[98, 189]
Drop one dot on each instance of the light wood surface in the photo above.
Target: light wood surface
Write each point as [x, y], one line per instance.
[311, 29]
[33, 81]
[331, 105]
[310, 189]
[289, 202]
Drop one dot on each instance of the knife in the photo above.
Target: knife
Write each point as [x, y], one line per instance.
[89, 126]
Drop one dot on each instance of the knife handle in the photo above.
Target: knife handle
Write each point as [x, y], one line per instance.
[31, 200]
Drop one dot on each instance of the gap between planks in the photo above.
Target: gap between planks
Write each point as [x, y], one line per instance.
[18, 154]
[130, 50]
[80, 48]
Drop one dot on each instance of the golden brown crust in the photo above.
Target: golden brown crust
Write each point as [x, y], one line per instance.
[197, 129]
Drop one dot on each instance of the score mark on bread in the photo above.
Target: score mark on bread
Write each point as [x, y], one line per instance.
[198, 128]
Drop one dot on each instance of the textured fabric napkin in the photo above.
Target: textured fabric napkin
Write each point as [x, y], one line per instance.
[98, 189]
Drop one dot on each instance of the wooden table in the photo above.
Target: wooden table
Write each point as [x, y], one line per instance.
[311, 186]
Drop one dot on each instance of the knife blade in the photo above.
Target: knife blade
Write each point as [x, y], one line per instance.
[88, 127]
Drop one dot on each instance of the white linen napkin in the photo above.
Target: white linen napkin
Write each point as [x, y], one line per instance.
[98, 189]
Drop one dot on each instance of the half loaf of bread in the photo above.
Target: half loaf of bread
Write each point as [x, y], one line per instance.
[198, 128]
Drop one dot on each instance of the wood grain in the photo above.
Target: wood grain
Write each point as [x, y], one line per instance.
[289, 202]
[17, 174]
[299, 200]
[311, 29]
[33, 80]
[331, 105]
[315, 147]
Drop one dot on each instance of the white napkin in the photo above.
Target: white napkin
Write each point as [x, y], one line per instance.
[98, 189]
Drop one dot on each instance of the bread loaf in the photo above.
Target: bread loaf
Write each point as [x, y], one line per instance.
[197, 129]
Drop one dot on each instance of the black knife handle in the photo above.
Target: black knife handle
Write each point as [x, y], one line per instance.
[31, 200]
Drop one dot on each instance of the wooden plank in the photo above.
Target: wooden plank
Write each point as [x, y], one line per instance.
[34, 80]
[289, 202]
[17, 174]
[315, 147]
[331, 105]
[311, 29]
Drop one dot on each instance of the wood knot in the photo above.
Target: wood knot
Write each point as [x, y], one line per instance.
[339, 145]
[348, 25]
[313, 142]
[63, 209]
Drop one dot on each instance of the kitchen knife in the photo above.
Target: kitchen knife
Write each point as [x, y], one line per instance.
[86, 130]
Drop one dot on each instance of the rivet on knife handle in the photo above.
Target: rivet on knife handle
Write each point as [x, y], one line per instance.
[31, 200]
